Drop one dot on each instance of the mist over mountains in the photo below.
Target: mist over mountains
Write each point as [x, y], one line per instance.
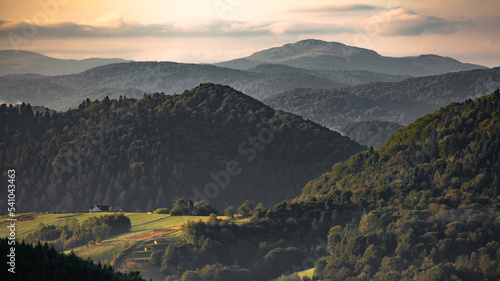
[136, 78]
[311, 64]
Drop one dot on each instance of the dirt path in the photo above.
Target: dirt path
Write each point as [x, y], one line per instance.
[139, 240]
[118, 263]
[148, 235]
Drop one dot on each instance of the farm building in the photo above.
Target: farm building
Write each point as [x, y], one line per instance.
[118, 209]
[99, 208]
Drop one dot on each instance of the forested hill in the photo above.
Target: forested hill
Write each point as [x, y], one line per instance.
[451, 155]
[427, 201]
[41, 263]
[211, 143]
[424, 206]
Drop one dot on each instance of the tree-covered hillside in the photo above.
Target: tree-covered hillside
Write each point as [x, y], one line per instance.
[422, 207]
[430, 201]
[454, 151]
[370, 133]
[211, 143]
[41, 263]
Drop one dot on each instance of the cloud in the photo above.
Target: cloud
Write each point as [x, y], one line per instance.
[119, 28]
[338, 8]
[110, 19]
[401, 22]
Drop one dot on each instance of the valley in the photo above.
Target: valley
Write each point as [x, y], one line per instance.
[313, 160]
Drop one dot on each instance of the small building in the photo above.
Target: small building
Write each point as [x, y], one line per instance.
[98, 208]
[159, 241]
[149, 248]
[118, 209]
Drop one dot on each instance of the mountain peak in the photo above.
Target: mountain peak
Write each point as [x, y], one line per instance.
[316, 54]
[305, 48]
[24, 62]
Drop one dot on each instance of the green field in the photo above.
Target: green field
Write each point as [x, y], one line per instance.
[102, 251]
[28, 222]
[308, 272]
[140, 222]
[145, 229]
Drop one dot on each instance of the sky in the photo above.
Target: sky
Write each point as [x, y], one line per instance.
[208, 31]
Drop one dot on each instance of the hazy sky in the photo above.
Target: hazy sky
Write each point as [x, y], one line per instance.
[216, 30]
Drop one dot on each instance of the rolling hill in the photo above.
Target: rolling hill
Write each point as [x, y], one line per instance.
[24, 62]
[135, 78]
[424, 197]
[321, 55]
[399, 102]
[424, 206]
[211, 143]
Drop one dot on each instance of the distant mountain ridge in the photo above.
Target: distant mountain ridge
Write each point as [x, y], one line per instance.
[321, 55]
[24, 62]
[347, 77]
[137, 78]
[400, 102]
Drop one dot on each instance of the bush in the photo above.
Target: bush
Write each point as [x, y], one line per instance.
[162, 211]
[230, 212]
[155, 258]
[183, 207]
[246, 209]
[72, 233]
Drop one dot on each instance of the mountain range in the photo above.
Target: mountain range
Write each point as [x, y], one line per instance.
[323, 65]
[24, 62]
[399, 102]
[420, 204]
[133, 79]
[322, 55]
